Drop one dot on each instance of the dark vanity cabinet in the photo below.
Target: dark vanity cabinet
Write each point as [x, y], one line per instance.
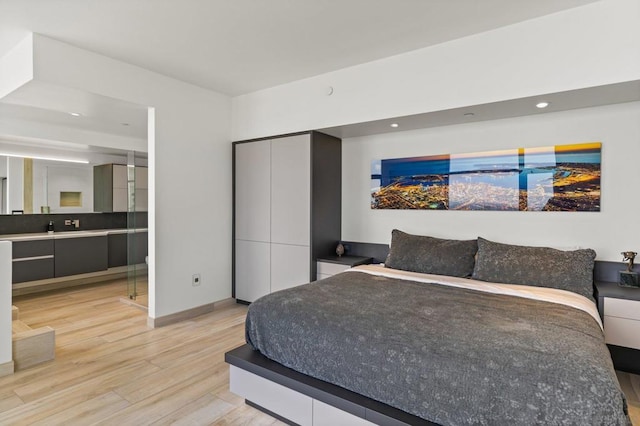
[117, 250]
[33, 260]
[123, 245]
[81, 255]
[50, 256]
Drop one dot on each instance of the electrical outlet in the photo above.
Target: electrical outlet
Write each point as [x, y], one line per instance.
[195, 280]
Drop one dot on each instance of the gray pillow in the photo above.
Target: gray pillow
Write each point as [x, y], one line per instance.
[431, 255]
[535, 266]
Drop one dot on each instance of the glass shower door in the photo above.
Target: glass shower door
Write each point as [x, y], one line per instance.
[136, 240]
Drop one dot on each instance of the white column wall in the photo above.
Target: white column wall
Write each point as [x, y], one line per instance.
[190, 170]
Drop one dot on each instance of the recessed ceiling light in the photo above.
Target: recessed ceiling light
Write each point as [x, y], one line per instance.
[75, 114]
[394, 125]
[542, 105]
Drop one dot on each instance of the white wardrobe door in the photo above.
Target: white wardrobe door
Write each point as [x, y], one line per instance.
[120, 199]
[252, 270]
[253, 191]
[120, 176]
[289, 266]
[291, 190]
[142, 178]
[142, 200]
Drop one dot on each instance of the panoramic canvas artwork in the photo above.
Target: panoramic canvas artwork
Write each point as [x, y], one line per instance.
[552, 178]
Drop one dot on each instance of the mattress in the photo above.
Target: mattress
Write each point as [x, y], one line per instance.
[448, 350]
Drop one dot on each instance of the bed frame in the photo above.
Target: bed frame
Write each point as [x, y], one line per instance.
[295, 398]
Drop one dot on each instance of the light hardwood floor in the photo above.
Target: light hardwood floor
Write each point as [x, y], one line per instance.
[630, 384]
[111, 369]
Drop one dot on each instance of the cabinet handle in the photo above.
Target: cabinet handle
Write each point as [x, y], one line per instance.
[26, 259]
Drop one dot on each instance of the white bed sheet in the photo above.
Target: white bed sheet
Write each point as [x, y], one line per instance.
[552, 295]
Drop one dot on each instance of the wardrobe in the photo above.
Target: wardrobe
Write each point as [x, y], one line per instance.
[287, 210]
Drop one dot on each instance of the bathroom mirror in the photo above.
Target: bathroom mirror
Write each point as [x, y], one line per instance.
[45, 186]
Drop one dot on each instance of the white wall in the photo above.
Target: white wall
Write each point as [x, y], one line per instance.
[50, 178]
[5, 302]
[609, 231]
[587, 46]
[16, 67]
[189, 170]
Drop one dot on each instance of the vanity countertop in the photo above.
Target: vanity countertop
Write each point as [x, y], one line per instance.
[68, 234]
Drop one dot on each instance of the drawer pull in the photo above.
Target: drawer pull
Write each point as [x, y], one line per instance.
[26, 259]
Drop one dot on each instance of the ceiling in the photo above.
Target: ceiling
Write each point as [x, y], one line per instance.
[230, 46]
[240, 46]
[50, 104]
[559, 101]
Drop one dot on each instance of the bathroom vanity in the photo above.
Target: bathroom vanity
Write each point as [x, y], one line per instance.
[42, 261]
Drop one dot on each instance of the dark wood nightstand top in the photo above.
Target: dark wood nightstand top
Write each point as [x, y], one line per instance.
[616, 291]
[346, 260]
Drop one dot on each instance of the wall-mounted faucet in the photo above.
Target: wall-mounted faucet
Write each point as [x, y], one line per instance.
[75, 223]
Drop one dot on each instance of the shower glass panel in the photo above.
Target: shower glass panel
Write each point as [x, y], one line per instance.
[136, 240]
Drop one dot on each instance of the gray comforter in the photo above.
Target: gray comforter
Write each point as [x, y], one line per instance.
[448, 355]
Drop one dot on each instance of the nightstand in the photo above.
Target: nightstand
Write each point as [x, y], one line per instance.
[331, 265]
[620, 310]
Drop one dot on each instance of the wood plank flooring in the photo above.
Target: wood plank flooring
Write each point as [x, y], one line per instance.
[630, 384]
[110, 369]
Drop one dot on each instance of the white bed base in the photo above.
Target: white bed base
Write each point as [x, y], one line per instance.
[298, 399]
[288, 404]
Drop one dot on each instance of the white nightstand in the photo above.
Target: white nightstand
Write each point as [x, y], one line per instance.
[622, 322]
[331, 265]
[620, 310]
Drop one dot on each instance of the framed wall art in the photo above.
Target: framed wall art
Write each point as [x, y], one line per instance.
[552, 178]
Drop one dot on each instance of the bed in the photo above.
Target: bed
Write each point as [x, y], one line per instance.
[447, 332]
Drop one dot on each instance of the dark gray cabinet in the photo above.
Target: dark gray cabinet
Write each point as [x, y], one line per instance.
[81, 255]
[63, 256]
[121, 248]
[117, 250]
[32, 260]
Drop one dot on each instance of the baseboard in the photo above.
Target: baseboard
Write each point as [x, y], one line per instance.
[225, 302]
[180, 316]
[6, 369]
[189, 313]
